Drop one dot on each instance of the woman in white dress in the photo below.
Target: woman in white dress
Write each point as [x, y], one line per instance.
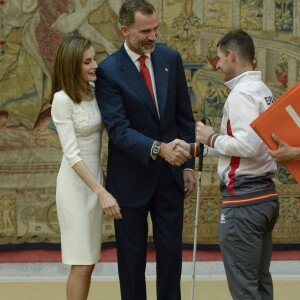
[80, 197]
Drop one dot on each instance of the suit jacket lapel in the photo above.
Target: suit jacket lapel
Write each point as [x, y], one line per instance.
[161, 75]
[135, 81]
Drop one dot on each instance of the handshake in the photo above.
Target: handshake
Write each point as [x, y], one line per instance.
[178, 151]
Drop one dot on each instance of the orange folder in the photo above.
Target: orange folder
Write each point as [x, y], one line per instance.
[283, 119]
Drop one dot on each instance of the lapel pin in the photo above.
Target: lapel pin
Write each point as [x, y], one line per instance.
[166, 69]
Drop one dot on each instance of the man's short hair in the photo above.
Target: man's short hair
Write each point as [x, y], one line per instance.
[130, 7]
[240, 42]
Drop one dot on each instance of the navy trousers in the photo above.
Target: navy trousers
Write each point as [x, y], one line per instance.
[166, 210]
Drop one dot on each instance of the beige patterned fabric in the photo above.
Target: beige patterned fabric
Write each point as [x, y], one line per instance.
[30, 153]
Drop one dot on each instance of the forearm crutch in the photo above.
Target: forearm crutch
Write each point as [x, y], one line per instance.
[201, 149]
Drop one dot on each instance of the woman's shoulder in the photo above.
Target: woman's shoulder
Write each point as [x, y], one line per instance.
[61, 96]
[62, 103]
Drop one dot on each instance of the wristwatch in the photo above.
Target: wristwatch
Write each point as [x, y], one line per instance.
[156, 148]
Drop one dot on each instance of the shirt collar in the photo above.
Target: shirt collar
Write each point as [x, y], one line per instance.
[134, 56]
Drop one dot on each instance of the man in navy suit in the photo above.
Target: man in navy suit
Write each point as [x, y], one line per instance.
[143, 170]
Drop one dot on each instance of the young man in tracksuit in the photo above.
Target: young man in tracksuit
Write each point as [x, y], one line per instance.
[250, 202]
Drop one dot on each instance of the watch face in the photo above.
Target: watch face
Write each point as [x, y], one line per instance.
[156, 148]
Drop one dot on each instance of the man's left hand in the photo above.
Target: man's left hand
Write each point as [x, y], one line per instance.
[203, 132]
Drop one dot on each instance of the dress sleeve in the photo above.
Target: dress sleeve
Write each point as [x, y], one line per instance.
[61, 112]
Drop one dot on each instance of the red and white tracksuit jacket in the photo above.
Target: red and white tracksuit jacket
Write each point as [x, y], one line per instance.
[245, 167]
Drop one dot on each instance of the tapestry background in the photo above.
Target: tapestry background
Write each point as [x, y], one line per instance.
[29, 150]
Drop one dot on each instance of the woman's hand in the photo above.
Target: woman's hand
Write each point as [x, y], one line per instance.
[110, 205]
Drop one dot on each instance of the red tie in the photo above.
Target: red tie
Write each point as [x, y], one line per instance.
[146, 75]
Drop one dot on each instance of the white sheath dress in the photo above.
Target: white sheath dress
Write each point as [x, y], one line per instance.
[79, 210]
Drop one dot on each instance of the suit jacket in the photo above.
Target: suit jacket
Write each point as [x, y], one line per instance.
[133, 124]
